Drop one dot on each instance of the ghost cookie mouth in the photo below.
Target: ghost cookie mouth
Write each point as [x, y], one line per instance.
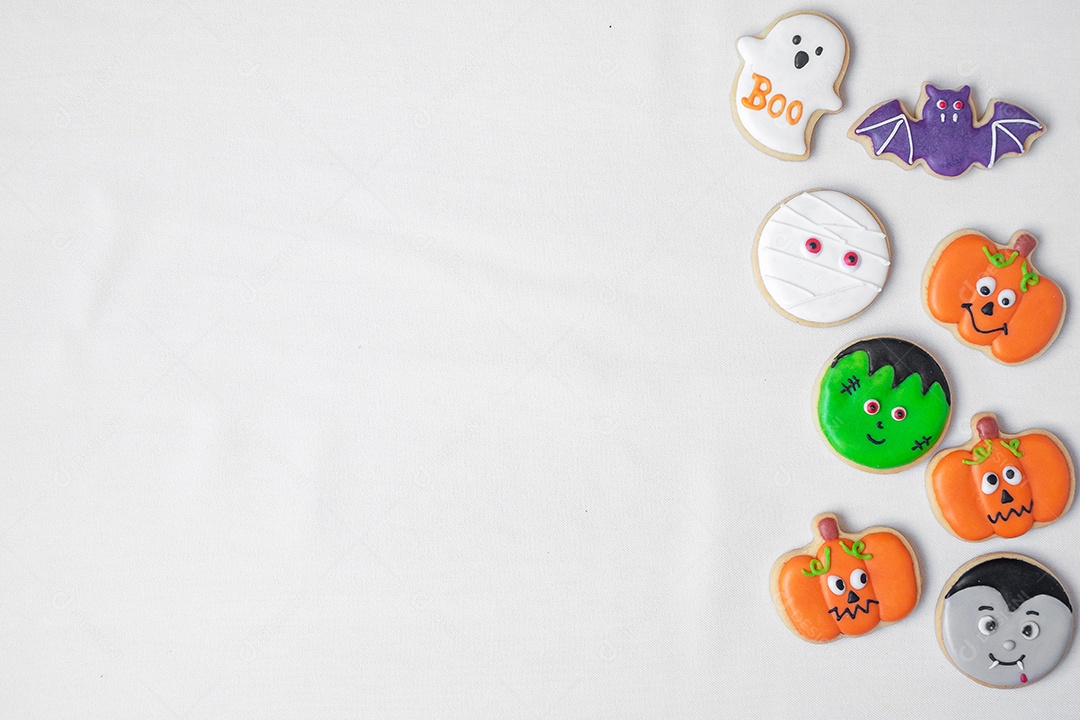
[1004, 326]
[994, 662]
[876, 442]
[853, 610]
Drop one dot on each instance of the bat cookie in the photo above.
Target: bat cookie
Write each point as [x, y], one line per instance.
[945, 135]
[821, 257]
[883, 403]
[1004, 620]
[991, 297]
[845, 584]
[790, 75]
[999, 484]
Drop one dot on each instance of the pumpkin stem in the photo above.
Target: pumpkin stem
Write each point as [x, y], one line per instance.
[828, 528]
[1025, 244]
[987, 428]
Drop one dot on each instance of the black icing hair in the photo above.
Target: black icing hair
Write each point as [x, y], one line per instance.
[905, 358]
[1016, 580]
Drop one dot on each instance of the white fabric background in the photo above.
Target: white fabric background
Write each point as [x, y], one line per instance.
[405, 360]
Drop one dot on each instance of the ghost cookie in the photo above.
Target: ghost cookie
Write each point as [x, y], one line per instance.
[883, 403]
[845, 584]
[790, 75]
[991, 297]
[821, 257]
[1000, 485]
[1004, 620]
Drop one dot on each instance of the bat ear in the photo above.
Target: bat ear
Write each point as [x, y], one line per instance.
[965, 92]
[932, 91]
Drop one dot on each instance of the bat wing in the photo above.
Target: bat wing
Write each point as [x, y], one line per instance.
[1012, 130]
[888, 128]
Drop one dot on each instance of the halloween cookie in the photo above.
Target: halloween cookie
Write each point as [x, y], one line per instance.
[789, 77]
[991, 297]
[945, 135]
[845, 584]
[883, 403]
[1004, 620]
[821, 257]
[1000, 484]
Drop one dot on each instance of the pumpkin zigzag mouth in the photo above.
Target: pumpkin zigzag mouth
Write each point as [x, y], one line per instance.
[853, 610]
[999, 517]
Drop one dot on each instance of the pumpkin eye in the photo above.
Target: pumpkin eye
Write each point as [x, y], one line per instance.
[1030, 630]
[986, 286]
[836, 585]
[1006, 298]
[851, 259]
[987, 625]
[942, 104]
[871, 407]
[990, 483]
[1012, 475]
[858, 579]
[899, 413]
[958, 105]
[812, 245]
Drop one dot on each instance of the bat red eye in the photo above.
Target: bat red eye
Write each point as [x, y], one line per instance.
[851, 259]
[942, 104]
[813, 246]
[871, 407]
[958, 105]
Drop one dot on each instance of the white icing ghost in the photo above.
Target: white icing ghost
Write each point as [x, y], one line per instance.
[787, 78]
[822, 257]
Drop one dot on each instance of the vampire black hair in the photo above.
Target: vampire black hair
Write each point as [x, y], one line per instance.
[905, 358]
[1016, 580]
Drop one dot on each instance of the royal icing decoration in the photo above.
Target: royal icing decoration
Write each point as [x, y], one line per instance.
[945, 135]
[1000, 484]
[883, 403]
[1004, 620]
[821, 257]
[991, 296]
[790, 75]
[845, 584]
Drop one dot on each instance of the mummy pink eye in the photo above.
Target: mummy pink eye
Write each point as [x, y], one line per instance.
[871, 407]
[958, 105]
[813, 246]
[851, 259]
[942, 104]
[899, 413]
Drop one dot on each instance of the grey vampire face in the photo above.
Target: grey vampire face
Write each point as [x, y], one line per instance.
[998, 647]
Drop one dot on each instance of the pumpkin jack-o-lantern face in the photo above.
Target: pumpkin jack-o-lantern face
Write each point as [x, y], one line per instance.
[843, 584]
[1000, 484]
[991, 297]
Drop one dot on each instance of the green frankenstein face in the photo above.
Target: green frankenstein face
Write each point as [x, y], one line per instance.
[883, 403]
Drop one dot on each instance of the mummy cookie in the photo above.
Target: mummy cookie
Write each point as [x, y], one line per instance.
[821, 257]
[991, 296]
[945, 135]
[789, 77]
[1004, 620]
[1000, 484]
[845, 584]
[883, 403]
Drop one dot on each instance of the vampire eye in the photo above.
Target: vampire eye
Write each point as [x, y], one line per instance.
[942, 104]
[813, 246]
[836, 585]
[858, 579]
[1006, 298]
[990, 483]
[986, 286]
[871, 407]
[958, 105]
[818, 51]
[987, 624]
[1012, 475]
[851, 259]
[1030, 630]
[899, 413]
[797, 39]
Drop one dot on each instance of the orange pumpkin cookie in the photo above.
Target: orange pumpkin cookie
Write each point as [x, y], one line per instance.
[991, 297]
[1000, 484]
[845, 584]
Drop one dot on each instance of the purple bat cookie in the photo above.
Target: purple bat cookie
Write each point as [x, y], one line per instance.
[945, 135]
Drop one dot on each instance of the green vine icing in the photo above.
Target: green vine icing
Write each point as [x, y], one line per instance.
[856, 550]
[1029, 278]
[1013, 446]
[981, 452]
[998, 259]
[817, 567]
